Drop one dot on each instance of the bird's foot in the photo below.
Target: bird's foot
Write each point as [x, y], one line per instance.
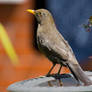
[57, 76]
[50, 75]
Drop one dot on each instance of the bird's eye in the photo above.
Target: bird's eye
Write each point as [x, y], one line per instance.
[41, 13]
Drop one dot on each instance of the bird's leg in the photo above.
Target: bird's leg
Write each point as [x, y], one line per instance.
[51, 69]
[60, 82]
[59, 69]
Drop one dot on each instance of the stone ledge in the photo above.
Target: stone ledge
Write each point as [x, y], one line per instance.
[55, 83]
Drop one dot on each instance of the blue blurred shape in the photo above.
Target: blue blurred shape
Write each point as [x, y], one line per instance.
[69, 15]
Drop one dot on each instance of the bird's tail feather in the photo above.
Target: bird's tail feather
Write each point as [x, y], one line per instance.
[79, 74]
[73, 72]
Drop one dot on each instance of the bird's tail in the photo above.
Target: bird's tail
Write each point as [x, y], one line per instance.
[79, 74]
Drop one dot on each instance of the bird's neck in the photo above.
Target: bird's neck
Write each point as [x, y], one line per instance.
[47, 21]
[46, 27]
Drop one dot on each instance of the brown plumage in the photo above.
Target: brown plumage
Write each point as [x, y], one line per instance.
[52, 44]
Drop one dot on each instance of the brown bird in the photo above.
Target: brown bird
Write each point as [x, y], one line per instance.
[52, 44]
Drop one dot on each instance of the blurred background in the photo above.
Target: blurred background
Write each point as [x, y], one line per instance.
[21, 26]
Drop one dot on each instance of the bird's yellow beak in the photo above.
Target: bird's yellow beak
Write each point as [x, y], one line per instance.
[31, 11]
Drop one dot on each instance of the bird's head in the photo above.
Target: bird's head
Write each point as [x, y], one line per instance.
[42, 15]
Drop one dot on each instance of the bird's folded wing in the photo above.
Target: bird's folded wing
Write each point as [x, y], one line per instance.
[58, 47]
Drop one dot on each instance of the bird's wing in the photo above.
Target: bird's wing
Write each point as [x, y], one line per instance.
[58, 45]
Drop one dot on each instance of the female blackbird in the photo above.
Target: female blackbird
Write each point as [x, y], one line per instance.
[52, 44]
